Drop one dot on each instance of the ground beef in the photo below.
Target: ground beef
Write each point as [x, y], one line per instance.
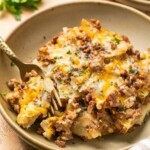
[91, 106]
[13, 99]
[111, 100]
[96, 64]
[106, 123]
[129, 102]
[124, 74]
[60, 143]
[89, 96]
[63, 126]
[125, 38]
[31, 74]
[119, 127]
[146, 100]
[133, 113]
[128, 91]
[138, 84]
[113, 46]
[59, 76]
[12, 84]
[96, 24]
[44, 57]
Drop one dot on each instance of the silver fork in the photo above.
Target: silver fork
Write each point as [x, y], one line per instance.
[24, 68]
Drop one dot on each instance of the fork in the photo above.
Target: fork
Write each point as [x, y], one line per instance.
[26, 67]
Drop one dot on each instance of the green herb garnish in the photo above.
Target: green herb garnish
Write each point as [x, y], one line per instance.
[62, 81]
[81, 72]
[45, 90]
[29, 82]
[111, 83]
[117, 41]
[69, 52]
[122, 109]
[66, 96]
[131, 71]
[135, 71]
[12, 64]
[107, 60]
[3, 94]
[55, 57]
[71, 70]
[103, 120]
[15, 6]
[76, 53]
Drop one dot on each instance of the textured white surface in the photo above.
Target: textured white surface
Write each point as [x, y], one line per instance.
[142, 145]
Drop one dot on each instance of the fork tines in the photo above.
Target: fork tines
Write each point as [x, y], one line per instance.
[55, 101]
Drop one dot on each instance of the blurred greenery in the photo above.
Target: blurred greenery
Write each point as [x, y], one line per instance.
[15, 6]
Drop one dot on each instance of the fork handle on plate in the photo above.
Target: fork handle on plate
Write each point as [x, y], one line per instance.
[6, 49]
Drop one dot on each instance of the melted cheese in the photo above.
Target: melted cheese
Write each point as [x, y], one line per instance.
[73, 65]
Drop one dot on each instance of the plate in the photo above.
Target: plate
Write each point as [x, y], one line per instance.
[139, 4]
[37, 30]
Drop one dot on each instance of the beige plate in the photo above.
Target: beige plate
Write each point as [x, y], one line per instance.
[27, 38]
[139, 4]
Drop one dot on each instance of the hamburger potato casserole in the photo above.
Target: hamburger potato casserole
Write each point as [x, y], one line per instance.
[103, 83]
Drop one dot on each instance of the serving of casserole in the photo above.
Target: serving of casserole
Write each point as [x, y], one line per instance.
[102, 81]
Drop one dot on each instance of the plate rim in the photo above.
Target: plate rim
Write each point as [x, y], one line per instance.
[141, 2]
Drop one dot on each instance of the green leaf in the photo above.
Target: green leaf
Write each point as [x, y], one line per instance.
[135, 71]
[17, 16]
[69, 52]
[117, 41]
[70, 70]
[1, 6]
[15, 6]
[3, 94]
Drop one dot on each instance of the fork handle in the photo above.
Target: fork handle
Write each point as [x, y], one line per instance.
[5, 48]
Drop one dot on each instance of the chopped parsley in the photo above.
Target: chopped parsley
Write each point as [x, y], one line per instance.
[107, 60]
[29, 82]
[116, 40]
[62, 81]
[122, 109]
[131, 71]
[66, 96]
[81, 72]
[87, 57]
[3, 94]
[103, 120]
[12, 64]
[135, 71]
[111, 83]
[69, 52]
[70, 70]
[76, 53]
[58, 57]
[55, 57]
[45, 90]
